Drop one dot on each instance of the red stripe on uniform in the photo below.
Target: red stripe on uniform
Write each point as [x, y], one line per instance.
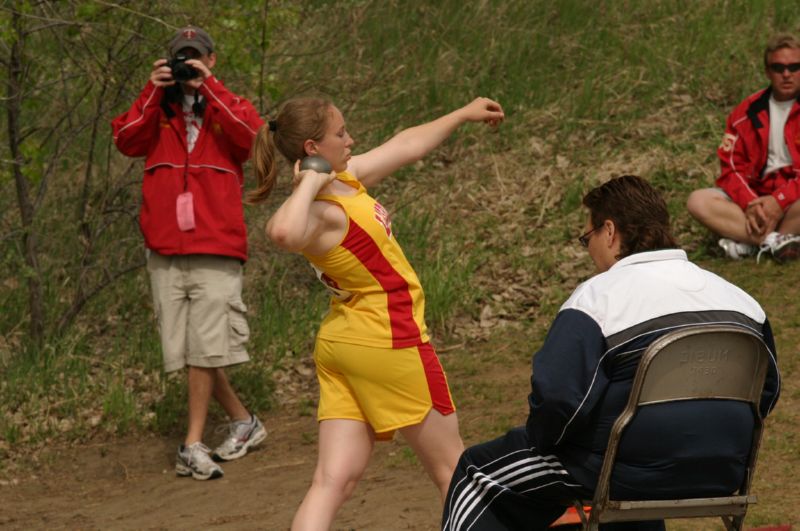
[405, 332]
[437, 383]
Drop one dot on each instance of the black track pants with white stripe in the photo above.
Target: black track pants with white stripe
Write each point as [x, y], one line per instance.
[505, 484]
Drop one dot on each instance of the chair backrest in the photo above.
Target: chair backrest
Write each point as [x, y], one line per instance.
[700, 362]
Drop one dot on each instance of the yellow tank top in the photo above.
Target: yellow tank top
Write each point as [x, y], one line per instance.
[376, 297]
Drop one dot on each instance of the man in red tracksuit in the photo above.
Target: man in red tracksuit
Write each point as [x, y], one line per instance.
[195, 135]
[755, 204]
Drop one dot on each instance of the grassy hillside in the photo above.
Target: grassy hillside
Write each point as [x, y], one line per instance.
[591, 90]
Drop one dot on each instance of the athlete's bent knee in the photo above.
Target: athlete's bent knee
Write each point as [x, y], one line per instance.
[342, 483]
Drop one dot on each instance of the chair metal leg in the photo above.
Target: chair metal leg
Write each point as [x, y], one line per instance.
[733, 523]
[581, 513]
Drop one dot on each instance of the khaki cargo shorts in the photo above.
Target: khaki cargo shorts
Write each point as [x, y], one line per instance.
[199, 309]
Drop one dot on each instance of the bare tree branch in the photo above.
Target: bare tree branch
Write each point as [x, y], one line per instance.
[13, 234]
[50, 22]
[139, 14]
[77, 305]
[16, 67]
[262, 66]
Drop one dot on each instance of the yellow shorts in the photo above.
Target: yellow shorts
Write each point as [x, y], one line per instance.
[386, 388]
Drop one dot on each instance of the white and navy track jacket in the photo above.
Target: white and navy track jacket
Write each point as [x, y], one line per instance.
[584, 371]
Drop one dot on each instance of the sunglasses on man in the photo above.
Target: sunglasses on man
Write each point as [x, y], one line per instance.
[779, 68]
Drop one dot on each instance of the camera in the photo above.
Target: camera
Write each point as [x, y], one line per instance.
[181, 72]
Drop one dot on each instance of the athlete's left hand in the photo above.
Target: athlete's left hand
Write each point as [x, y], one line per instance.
[484, 110]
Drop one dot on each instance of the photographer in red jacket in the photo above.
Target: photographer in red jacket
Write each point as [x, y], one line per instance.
[195, 135]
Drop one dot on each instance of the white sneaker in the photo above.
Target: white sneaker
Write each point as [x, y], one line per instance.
[193, 460]
[736, 250]
[244, 434]
[782, 246]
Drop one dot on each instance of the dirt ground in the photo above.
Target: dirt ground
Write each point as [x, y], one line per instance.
[130, 483]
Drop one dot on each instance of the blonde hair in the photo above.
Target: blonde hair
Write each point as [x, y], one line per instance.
[779, 41]
[298, 120]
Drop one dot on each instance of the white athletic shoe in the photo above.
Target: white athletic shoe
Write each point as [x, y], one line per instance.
[244, 434]
[782, 246]
[193, 460]
[736, 250]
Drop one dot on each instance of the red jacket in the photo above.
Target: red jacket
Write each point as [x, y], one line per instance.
[212, 171]
[744, 149]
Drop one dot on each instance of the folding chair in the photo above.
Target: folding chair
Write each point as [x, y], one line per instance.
[702, 362]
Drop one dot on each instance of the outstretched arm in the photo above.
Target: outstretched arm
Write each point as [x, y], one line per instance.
[410, 145]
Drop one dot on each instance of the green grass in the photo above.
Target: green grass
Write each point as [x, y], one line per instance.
[119, 404]
[170, 410]
[445, 269]
[284, 301]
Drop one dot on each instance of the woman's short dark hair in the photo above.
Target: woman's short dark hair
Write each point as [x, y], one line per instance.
[638, 211]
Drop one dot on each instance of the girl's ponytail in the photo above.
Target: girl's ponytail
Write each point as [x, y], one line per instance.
[264, 165]
[298, 120]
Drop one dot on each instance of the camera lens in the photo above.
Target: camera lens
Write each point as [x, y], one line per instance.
[181, 72]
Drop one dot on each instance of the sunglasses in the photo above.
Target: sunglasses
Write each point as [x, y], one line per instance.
[584, 238]
[779, 68]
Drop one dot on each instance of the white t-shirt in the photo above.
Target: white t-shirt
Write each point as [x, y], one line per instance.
[778, 155]
[194, 123]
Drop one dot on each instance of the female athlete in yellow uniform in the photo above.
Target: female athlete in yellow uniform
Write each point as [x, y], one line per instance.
[377, 371]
